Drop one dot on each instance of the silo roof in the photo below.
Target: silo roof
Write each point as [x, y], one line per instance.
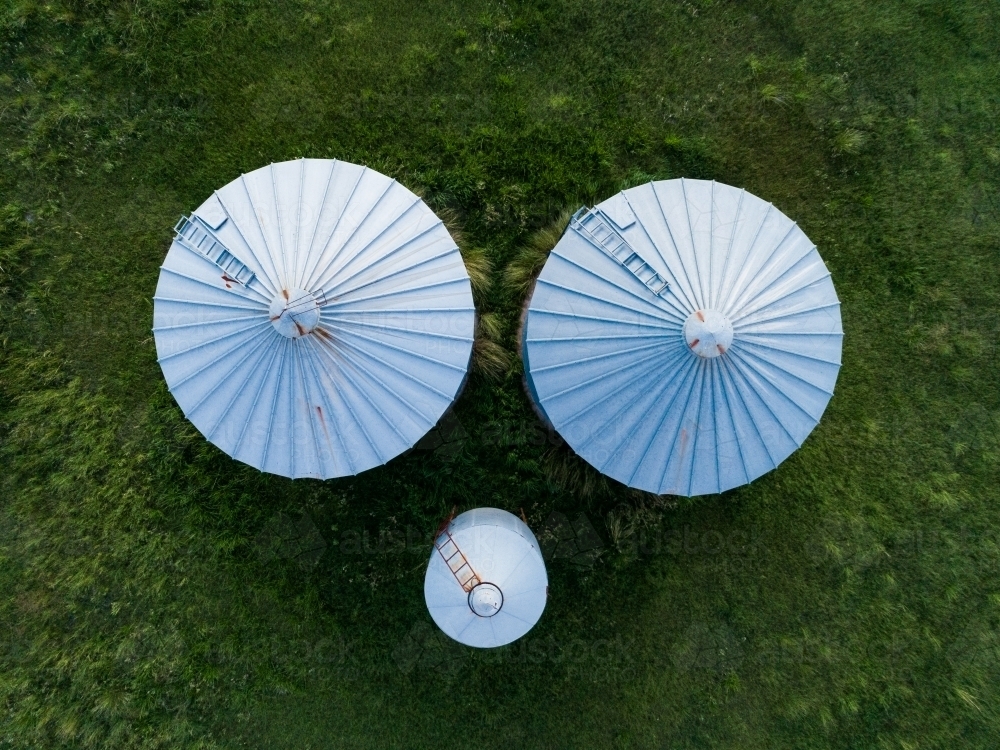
[486, 584]
[684, 337]
[313, 318]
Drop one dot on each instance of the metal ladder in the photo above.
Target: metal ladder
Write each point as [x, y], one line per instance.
[598, 227]
[195, 235]
[455, 560]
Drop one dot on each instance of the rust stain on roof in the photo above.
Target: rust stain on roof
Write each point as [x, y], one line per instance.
[328, 342]
[680, 462]
[326, 431]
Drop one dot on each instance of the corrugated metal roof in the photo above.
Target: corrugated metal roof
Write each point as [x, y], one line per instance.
[684, 337]
[313, 318]
[486, 583]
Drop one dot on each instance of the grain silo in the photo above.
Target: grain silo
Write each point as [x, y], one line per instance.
[486, 583]
[313, 318]
[684, 337]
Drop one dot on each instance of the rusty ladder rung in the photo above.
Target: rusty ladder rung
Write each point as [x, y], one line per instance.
[467, 582]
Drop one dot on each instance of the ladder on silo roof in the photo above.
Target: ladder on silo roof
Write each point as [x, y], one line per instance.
[599, 228]
[196, 236]
[454, 558]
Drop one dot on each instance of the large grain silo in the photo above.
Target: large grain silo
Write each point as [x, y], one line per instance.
[684, 337]
[313, 318]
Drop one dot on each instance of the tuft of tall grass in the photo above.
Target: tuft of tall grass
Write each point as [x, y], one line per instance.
[567, 470]
[492, 326]
[849, 141]
[479, 267]
[771, 94]
[477, 263]
[491, 359]
[489, 356]
[529, 260]
[449, 217]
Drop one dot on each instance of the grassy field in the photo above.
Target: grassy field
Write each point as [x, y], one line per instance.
[154, 593]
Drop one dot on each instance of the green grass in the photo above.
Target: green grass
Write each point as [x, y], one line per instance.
[849, 599]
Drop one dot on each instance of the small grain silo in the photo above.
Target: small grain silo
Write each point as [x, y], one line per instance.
[486, 583]
[684, 337]
[313, 318]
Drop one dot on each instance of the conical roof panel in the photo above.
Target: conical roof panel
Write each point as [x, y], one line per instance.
[507, 594]
[684, 337]
[313, 318]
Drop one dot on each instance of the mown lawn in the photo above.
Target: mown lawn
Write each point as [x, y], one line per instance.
[153, 593]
